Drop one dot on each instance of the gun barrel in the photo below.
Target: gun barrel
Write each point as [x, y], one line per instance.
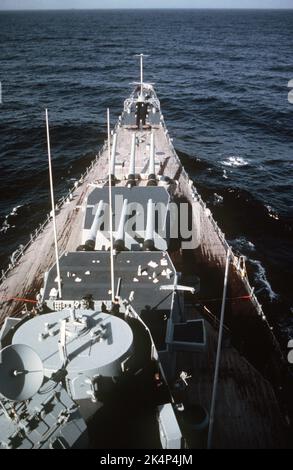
[119, 244]
[149, 244]
[113, 156]
[152, 181]
[131, 175]
[91, 241]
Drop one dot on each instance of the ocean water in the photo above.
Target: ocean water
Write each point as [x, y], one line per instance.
[222, 80]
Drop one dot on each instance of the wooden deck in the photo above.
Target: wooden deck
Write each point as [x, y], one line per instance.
[247, 414]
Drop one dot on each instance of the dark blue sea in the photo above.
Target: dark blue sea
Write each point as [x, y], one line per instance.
[222, 79]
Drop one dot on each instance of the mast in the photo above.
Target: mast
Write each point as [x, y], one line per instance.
[141, 57]
[141, 73]
[53, 206]
[110, 209]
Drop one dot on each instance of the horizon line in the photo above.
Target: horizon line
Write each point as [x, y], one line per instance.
[148, 9]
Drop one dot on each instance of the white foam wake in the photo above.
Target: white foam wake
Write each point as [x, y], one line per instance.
[272, 213]
[243, 245]
[235, 161]
[6, 225]
[261, 279]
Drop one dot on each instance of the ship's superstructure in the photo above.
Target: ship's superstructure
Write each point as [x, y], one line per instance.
[127, 354]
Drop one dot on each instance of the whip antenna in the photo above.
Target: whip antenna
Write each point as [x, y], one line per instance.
[218, 357]
[110, 209]
[141, 56]
[53, 206]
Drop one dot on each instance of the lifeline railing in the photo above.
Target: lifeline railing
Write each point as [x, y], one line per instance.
[234, 259]
[16, 256]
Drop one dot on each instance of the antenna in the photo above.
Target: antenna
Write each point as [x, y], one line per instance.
[218, 356]
[110, 209]
[141, 56]
[21, 372]
[53, 206]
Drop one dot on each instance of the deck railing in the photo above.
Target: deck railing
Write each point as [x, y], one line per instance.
[16, 256]
[225, 244]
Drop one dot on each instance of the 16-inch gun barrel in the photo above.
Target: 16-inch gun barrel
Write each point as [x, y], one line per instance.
[119, 244]
[149, 244]
[131, 175]
[91, 241]
[113, 157]
[152, 171]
